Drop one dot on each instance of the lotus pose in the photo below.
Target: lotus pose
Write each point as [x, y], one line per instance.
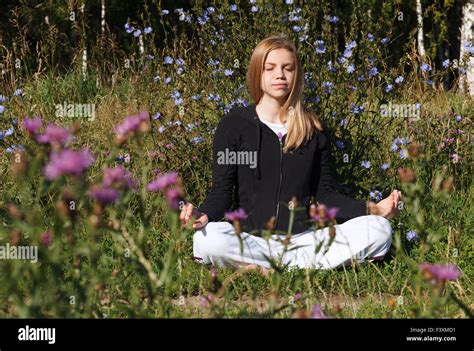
[271, 158]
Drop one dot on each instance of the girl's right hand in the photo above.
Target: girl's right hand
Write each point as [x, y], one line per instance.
[188, 211]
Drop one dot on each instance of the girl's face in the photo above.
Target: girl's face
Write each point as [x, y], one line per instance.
[278, 74]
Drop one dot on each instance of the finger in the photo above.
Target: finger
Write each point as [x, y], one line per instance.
[197, 225]
[189, 210]
[182, 213]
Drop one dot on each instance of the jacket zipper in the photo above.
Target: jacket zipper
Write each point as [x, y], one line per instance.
[279, 184]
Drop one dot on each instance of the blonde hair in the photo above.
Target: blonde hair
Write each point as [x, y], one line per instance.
[301, 123]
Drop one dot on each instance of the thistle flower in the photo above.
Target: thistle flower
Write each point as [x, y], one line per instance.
[67, 162]
[104, 194]
[440, 272]
[31, 125]
[236, 215]
[163, 181]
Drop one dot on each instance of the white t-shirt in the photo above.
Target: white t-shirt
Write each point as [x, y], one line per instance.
[276, 127]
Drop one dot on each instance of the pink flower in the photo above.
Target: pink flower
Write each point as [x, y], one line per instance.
[163, 181]
[325, 213]
[132, 124]
[236, 215]
[332, 212]
[54, 135]
[32, 125]
[46, 239]
[118, 176]
[67, 162]
[104, 194]
[173, 197]
[440, 272]
[317, 312]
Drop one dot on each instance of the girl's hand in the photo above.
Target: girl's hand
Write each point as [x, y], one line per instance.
[189, 211]
[388, 207]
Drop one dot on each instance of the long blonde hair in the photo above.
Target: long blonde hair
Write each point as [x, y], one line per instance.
[301, 122]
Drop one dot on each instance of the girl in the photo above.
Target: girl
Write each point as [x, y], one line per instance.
[291, 148]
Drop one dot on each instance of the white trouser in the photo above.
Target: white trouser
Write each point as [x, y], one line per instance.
[358, 239]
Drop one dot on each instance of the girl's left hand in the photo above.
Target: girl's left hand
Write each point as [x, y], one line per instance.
[387, 207]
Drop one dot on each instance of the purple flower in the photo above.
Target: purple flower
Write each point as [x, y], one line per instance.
[399, 80]
[373, 72]
[370, 37]
[32, 124]
[104, 194]
[376, 195]
[18, 92]
[118, 176]
[357, 109]
[365, 164]
[137, 33]
[148, 30]
[384, 41]
[440, 272]
[168, 60]
[173, 198]
[320, 49]
[412, 235]
[236, 215]
[317, 312]
[197, 140]
[457, 118]
[446, 63]
[128, 28]
[163, 181]
[350, 68]
[67, 162]
[228, 72]
[131, 124]
[54, 135]
[403, 154]
[46, 239]
[333, 19]
[339, 144]
[388, 88]
[332, 212]
[327, 87]
[385, 166]
[425, 67]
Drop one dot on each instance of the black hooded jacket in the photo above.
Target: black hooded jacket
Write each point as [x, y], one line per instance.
[267, 189]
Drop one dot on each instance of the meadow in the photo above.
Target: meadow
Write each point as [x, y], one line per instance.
[87, 141]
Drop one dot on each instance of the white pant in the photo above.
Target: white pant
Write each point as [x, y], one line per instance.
[361, 238]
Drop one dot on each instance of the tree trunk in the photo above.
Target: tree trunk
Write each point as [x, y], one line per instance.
[421, 42]
[466, 82]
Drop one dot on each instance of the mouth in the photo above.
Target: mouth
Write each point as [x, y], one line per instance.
[280, 86]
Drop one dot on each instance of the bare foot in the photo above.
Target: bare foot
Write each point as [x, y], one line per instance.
[262, 270]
